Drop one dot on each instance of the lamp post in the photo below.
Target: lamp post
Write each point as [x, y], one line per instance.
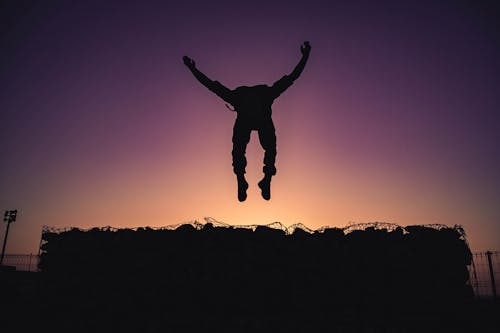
[9, 217]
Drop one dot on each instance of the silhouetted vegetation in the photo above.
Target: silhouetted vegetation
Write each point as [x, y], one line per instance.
[242, 280]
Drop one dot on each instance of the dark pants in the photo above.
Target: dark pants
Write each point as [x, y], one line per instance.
[267, 138]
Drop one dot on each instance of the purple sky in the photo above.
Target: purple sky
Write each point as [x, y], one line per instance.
[395, 117]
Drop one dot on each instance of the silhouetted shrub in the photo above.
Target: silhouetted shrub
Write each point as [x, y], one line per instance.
[237, 270]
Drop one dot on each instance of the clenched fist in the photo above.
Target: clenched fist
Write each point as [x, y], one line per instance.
[188, 62]
[305, 48]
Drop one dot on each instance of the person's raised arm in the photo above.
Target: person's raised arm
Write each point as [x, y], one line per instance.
[305, 49]
[214, 86]
[286, 81]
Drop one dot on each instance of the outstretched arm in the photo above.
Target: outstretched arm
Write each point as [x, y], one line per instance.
[214, 86]
[286, 81]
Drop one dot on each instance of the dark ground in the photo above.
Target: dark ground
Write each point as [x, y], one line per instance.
[27, 307]
[238, 280]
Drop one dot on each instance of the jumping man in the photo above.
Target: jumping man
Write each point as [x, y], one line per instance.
[253, 106]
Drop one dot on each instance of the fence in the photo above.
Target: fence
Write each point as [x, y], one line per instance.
[484, 281]
[485, 274]
[22, 262]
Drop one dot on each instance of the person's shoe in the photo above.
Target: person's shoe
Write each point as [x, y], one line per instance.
[242, 189]
[265, 188]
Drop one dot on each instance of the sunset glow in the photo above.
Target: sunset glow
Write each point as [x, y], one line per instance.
[395, 118]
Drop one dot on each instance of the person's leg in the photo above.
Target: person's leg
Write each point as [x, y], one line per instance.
[241, 137]
[267, 138]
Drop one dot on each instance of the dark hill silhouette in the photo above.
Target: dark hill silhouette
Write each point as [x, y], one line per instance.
[220, 278]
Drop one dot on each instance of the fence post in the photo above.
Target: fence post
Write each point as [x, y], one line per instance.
[492, 275]
[4, 243]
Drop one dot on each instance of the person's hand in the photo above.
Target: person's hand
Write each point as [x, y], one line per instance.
[305, 48]
[188, 62]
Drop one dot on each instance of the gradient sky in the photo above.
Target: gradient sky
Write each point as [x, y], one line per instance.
[395, 117]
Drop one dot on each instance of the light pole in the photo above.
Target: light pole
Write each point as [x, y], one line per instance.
[9, 217]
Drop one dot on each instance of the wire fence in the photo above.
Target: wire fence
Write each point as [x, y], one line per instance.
[484, 271]
[22, 262]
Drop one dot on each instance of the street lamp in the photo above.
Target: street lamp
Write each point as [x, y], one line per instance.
[9, 217]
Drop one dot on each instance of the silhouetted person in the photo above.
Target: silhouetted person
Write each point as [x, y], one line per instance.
[253, 105]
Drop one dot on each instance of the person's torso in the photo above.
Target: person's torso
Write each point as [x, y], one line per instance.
[253, 104]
